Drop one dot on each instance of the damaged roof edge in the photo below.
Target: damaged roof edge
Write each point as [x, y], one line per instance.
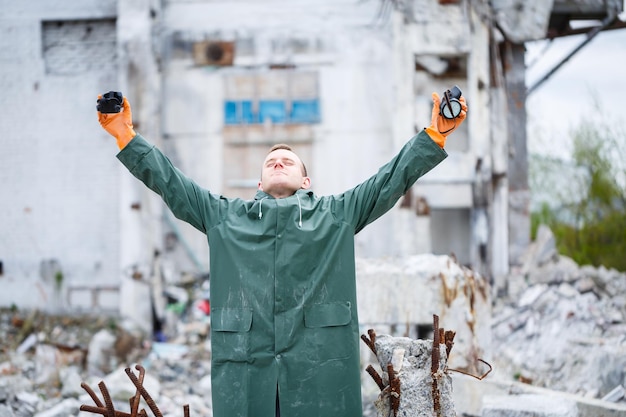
[523, 21]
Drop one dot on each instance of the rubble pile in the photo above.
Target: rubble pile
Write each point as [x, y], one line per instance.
[562, 326]
[44, 359]
[559, 325]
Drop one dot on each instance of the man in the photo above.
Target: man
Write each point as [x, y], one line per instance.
[284, 325]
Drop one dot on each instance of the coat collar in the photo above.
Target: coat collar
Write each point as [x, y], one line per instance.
[299, 196]
[260, 195]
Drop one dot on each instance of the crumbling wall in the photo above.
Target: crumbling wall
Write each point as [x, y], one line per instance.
[399, 296]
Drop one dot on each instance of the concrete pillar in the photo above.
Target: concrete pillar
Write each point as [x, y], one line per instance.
[413, 392]
[140, 209]
[519, 191]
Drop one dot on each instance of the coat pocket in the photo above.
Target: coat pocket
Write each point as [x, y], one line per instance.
[328, 333]
[230, 338]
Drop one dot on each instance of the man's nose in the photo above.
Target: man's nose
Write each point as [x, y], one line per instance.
[278, 164]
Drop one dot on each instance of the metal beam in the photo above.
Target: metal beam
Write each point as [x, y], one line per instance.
[609, 20]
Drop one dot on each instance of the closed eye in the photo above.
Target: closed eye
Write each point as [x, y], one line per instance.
[284, 161]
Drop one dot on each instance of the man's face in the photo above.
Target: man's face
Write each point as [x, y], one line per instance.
[282, 174]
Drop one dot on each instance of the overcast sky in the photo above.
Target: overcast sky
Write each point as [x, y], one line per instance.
[597, 71]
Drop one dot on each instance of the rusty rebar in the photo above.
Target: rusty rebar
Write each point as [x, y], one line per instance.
[394, 389]
[481, 377]
[434, 366]
[101, 410]
[92, 394]
[376, 377]
[107, 399]
[144, 393]
[371, 342]
[107, 409]
[134, 405]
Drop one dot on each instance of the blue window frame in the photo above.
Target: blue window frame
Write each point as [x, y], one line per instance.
[241, 111]
[231, 114]
[305, 111]
[276, 110]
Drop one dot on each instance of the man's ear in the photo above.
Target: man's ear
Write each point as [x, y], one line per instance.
[306, 183]
[260, 186]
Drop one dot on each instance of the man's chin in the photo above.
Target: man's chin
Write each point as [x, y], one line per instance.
[280, 186]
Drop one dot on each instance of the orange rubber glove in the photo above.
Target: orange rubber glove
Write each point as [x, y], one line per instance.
[119, 125]
[440, 127]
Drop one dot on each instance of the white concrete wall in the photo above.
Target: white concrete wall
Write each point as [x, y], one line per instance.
[371, 102]
[58, 174]
[355, 76]
[69, 199]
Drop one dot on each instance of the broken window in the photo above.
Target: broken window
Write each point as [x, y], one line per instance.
[77, 46]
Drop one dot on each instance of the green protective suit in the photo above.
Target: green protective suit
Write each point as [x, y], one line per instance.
[283, 287]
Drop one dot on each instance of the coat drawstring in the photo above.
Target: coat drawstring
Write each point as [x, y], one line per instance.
[299, 208]
[261, 207]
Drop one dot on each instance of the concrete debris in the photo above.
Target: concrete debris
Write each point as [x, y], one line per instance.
[562, 326]
[100, 356]
[615, 395]
[43, 378]
[527, 405]
[559, 326]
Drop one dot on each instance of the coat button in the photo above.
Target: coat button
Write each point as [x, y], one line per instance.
[278, 356]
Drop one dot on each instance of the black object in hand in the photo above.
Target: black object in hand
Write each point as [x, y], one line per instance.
[110, 102]
[450, 106]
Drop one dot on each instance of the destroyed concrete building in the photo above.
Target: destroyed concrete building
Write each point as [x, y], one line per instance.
[215, 83]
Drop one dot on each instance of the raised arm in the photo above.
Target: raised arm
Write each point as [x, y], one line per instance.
[374, 197]
[183, 196]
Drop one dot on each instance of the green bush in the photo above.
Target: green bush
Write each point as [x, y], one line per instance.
[583, 200]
